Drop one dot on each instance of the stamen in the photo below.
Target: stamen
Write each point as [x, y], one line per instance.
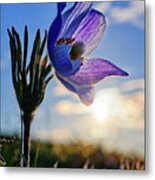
[60, 41]
[65, 41]
[77, 48]
[70, 40]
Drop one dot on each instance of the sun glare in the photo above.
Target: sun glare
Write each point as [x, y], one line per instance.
[100, 112]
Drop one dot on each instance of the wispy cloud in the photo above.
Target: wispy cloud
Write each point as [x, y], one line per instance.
[103, 6]
[60, 90]
[133, 84]
[128, 95]
[132, 13]
[67, 107]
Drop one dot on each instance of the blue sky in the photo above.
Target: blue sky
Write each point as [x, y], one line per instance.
[122, 44]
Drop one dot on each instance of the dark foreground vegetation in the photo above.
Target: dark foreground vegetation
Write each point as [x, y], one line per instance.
[71, 155]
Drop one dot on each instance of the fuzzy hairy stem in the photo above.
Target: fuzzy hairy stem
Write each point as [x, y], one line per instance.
[26, 120]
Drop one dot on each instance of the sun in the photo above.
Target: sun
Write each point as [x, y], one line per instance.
[100, 112]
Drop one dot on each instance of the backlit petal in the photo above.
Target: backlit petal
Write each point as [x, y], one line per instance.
[72, 18]
[64, 81]
[90, 30]
[86, 94]
[94, 70]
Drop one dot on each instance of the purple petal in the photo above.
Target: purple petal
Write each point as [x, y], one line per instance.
[72, 18]
[90, 30]
[55, 28]
[61, 6]
[69, 86]
[85, 93]
[94, 70]
[60, 58]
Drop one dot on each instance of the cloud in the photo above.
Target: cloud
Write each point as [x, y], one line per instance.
[41, 113]
[110, 96]
[103, 6]
[67, 107]
[121, 106]
[133, 13]
[133, 84]
[114, 120]
[60, 90]
[123, 126]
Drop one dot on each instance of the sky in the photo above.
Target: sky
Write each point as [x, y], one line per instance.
[116, 118]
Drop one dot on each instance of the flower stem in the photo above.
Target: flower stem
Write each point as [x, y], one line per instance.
[26, 120]
[22, 141]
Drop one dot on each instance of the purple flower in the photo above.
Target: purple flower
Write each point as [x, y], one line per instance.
[73, 35]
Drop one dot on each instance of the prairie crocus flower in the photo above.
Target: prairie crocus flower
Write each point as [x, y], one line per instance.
[72, 36]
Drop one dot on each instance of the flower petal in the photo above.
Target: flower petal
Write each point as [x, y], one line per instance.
[72, 18]
[61, 6]
[90, 30]
[55, 28]
[85, 93]
[60, 58]
[69, 86]
[94, 70]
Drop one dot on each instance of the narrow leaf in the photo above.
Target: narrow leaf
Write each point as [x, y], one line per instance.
[25, 47]
[43, 44]
[33, 56]
[48, 79]
[13, 58]
[18, 48]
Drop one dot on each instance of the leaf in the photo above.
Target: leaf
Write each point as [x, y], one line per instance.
[43, 44]
[13, 59]
[24, 78]
[33, 57]
[25, 47]
[36, 76]
[42, 70]
[18, 50]
[37, 63]
[48, 80]
[47, 71]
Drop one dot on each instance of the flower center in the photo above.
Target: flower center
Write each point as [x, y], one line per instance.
[77, 50]
[77, 47]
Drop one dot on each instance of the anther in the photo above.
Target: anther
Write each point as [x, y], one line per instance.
[69, 40]
[60, 41]
[65, 41]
